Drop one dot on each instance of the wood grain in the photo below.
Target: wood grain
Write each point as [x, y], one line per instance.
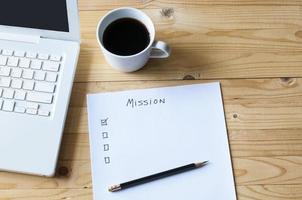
[266, 143]
[46, 194]
[270, 192]
[281, 170]
[209, 42]
[251, 192]
[111, 4]
[70, 174]
[272, 170]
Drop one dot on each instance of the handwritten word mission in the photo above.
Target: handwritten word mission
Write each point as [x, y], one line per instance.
[144, 102]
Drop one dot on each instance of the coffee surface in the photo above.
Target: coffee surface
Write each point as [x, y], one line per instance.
[126, 37]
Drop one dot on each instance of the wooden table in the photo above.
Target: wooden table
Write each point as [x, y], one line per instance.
[253, 47]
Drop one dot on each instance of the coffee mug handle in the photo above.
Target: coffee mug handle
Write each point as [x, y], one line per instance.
[160, 49]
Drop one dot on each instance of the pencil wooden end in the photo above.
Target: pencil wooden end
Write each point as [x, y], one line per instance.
[114, 188]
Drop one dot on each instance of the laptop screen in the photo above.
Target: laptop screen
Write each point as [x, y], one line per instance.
[38, 14]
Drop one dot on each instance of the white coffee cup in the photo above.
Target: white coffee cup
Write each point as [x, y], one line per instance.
[155, 49]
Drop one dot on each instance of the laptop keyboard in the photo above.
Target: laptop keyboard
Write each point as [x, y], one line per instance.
[28, 82]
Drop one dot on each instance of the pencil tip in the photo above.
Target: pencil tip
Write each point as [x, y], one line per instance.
[201, 164]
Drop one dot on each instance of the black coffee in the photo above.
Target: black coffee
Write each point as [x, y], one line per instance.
[126, 36]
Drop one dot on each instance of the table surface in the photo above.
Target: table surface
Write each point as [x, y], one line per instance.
[253, 47]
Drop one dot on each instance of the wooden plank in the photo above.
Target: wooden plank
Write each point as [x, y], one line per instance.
[212, 28]
[248, 171]
[209, 42]
[243, 143]
[198, 65]
[46, 194]
[111, 4]
[249, 104]
[70, 174]
[251, 192]
[265, 143]
[268, 170]
[270, 192]
[75, 147]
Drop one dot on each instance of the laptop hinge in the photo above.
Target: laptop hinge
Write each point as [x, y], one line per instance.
[20, 37]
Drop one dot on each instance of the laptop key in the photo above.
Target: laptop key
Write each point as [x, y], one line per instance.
[4, 71]
[8, 106]
[3, 60]
[40, 76]
[19, 109]
[24, 62]
[43, 113]
[43, 56]
[16, 83]
[20, 95]
[51, 66]
[55, 58]
[32, 105]
[8, 93]
[28, 74]
[36, 64]
[44, 87]
[7, 52]
[31, 55]
[28, 85]
[5, 81]
[31, 111]
[39, 97]
[51, 77]
[13, 61]
[16, 72]
[19, 53]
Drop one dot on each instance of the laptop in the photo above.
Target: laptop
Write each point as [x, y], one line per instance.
[39, 49]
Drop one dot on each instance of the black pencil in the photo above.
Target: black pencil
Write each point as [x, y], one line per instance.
[157, 176]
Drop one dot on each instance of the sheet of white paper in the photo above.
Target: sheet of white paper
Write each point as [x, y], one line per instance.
[142, 132]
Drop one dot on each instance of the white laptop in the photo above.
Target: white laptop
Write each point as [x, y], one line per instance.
[39, 48]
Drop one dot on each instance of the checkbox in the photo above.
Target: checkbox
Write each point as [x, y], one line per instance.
[107, 160]
[105, 135]
[106, 147]
[104, 122]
